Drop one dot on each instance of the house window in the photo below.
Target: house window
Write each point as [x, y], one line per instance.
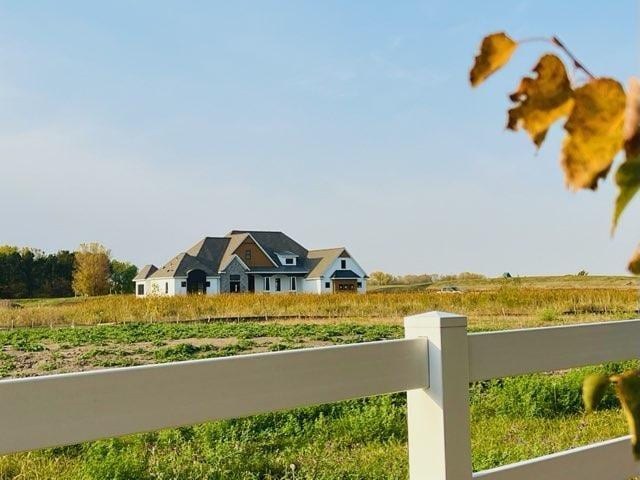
[327, 284]
[208, 284]
[166, 288]
[183, 284]
[278, 284]
[141, 289]
[359, 284]
[288, 261]
[247, 254]
[267, 284]
[293, 284]
[343, 264]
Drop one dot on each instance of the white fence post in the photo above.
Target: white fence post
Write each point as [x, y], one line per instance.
[438, 417]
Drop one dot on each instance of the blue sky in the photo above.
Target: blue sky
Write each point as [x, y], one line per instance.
[147, 125]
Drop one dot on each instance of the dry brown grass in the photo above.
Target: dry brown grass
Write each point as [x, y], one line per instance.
[504, 307]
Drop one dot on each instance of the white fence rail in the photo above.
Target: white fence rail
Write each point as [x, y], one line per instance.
[434, 363]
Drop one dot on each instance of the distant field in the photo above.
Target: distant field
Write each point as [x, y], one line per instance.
[561, 281]
[489, 304]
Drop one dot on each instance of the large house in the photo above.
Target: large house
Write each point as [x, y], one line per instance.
[253, 261]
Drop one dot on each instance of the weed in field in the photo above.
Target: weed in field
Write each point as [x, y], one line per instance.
[548, 314]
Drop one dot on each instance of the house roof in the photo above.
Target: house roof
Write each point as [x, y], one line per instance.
[211, 250]
[181, 265]
[345, 274]
[319, 260]
[272, 243]
[232, 258]
[213, 254]
[145, 272]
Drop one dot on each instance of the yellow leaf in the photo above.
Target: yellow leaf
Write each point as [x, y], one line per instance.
[634, 262]
[495, 51]
[593, 389]
[627, 387]
[594, 132]
[541, 100]
[628, 175]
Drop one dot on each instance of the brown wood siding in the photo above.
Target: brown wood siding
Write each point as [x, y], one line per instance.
[258, 257]
[345, 254]
[345, 286]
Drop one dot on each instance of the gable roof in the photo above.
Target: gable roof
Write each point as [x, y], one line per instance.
[181, 265]
[345, 274]
[145, 272]
[211, 250]
[214, 254]
[320, 260]
[272, 243]
[232, 258]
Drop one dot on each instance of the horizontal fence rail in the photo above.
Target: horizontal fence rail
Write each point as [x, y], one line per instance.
[609, 460]
[70, 408]
[516, 352]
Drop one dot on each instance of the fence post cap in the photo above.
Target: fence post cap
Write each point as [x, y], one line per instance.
[435, 319]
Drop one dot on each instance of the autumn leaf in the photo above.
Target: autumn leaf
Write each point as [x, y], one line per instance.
[495, 51]
[627, 387]
[628, 175]
[541, 100]
[593, 389]
[594, 132]
[634, 262]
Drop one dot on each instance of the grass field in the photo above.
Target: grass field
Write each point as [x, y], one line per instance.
[529, 301]
[512, 419]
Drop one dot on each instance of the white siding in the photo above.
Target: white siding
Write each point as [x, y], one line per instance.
[313, 285]
[214, 286]
[352, 265]
[285, 284]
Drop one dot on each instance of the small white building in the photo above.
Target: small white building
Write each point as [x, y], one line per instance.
[253, 261]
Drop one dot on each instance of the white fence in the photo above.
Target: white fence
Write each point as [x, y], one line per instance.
[434, 363]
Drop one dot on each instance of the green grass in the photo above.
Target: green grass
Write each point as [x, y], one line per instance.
[512, 419]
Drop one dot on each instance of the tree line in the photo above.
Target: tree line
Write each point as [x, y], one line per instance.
[383, 278]
[31, 273]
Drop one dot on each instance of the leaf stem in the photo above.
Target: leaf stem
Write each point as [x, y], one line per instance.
[556, 41]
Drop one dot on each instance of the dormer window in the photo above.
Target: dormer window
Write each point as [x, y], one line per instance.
[343, 264]
[287, 258]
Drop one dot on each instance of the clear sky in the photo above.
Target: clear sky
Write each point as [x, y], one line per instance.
[147, 125]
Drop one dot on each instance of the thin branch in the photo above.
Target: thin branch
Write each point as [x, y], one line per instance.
[556, 41]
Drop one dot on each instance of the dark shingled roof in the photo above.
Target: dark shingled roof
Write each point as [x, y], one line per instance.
[345, 274]
[210, 250]
[272, 243]
[213, 253]
[182, 264]
[145, 272]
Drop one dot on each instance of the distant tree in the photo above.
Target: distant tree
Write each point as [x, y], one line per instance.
[92, 272]
[122, 274]
[380, 278]
[470, 276]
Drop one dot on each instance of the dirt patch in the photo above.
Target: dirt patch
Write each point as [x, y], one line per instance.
[57, 358]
